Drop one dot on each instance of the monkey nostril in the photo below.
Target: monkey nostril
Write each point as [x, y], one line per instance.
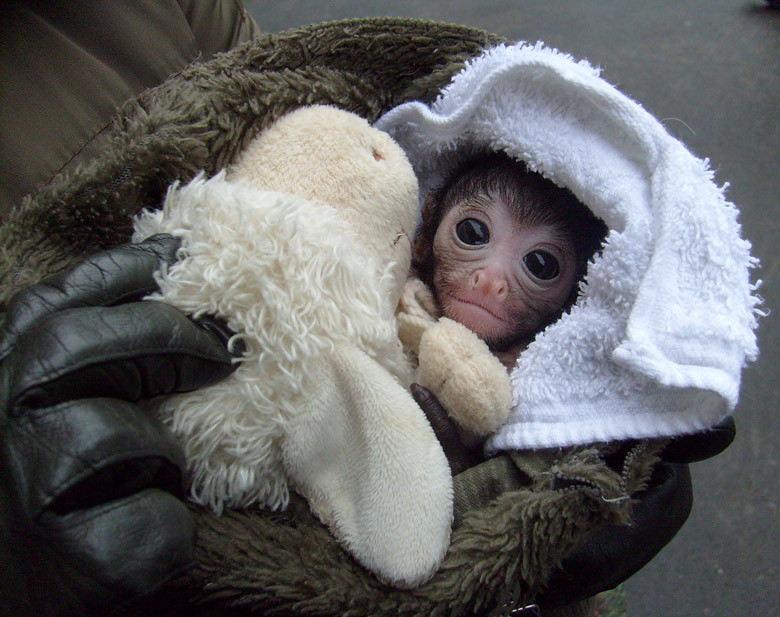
[489, 285]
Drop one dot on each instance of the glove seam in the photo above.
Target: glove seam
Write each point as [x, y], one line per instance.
[16, 404]
[65, 485]
[88, 514]
[156, 248]
[53, 492]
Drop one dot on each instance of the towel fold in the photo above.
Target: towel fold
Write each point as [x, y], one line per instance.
[665, 321]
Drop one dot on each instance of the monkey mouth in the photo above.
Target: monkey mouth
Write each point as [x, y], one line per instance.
[475, 310]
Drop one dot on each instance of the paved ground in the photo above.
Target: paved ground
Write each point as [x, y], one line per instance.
[711, 69]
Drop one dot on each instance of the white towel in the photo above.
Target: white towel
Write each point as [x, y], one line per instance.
[656, 343]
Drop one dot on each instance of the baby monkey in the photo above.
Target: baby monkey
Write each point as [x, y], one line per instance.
[503, 249]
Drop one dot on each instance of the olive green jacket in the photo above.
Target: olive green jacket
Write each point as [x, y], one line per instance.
[65, 68]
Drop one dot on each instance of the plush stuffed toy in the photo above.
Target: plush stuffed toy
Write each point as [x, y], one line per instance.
[303, 247]
[453, 363]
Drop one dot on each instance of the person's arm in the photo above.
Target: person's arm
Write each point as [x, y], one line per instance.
[67, 67]
[615, 553]
[219, 25]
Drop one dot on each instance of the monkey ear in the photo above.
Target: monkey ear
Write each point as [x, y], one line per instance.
[430, 205]
[422, 248]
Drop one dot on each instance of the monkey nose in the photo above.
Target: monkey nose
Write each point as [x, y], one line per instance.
[490, 284]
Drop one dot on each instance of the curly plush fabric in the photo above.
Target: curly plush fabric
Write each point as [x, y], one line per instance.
[302, 248]
[254, 562]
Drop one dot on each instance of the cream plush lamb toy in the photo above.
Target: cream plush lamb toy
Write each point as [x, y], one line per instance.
[303, 247]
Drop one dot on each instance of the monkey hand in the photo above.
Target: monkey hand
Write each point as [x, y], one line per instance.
[90, 485]
[460, 456]
[469, 381]
[416, 312]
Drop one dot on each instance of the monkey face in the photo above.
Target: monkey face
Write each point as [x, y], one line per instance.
[497, 274]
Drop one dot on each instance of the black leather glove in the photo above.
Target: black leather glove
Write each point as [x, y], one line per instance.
[619, 551]
[700, 446]
[90, 484]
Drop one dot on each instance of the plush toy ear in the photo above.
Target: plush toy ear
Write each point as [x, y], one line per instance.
[368, 462]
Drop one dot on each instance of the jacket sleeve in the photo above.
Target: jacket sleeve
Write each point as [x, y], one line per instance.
[66, 67]
[219, 25]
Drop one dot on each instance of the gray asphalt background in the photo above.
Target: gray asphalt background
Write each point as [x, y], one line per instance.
[711, 71]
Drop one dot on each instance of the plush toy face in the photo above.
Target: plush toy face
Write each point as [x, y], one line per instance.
[329, 155]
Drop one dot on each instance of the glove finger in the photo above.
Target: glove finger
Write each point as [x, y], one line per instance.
[701, 446]
[105, 279]
[122, 550]
[82, 453]
[131, 351]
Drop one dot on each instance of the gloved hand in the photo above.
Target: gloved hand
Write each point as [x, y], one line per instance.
[618, 551]
[90, 483]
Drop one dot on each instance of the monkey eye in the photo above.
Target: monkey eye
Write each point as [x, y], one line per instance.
[472, 232]
[542, 265]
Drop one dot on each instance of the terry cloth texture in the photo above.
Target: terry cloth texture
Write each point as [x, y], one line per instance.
[665, 321]
[254, 562]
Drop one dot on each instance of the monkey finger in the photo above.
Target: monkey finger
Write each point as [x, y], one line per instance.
[459, 456]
